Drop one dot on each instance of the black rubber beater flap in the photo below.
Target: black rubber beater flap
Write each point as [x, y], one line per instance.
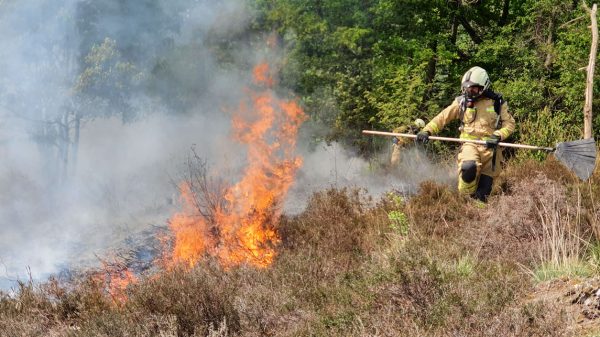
[579, 156]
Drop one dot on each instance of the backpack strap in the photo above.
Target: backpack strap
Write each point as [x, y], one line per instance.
[462, 107]
[498, 102]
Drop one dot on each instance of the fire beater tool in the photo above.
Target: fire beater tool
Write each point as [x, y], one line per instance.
[579, 156]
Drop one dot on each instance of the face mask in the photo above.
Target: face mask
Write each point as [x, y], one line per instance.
[473, 92]
[470, 101]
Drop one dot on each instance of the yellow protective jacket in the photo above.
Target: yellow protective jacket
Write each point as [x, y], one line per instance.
[479, 122]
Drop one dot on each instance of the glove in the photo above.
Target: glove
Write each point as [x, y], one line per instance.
[492, 142]
[423, 137]
[395, 140]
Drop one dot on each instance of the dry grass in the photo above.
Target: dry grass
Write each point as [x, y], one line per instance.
[344, 269]
[436, 210]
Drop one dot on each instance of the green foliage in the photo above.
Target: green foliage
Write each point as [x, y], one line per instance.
[463, 267]
[107, 77]
[380, 64]
[351, 38]
[545, 128]
[396, 199]
[575, 268]
[399, 222]
[397, 99]
[594, 255]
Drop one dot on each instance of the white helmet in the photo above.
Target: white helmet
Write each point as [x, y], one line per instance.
[476, 76]
[419, 123]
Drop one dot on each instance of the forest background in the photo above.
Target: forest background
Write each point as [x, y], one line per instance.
[353, 64]
[380, 64]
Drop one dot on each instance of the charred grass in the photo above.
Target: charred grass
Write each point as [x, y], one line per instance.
[436, 264]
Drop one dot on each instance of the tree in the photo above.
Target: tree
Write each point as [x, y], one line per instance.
[383, 63]
[102, 89]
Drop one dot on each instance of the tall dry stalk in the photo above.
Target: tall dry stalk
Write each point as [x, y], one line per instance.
[561, 242]
[594, 212]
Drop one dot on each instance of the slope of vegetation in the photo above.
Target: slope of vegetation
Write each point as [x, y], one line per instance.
[435, 264]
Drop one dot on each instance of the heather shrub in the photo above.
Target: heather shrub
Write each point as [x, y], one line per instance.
[335, 222]
[438, 210]
[198, 299]
[343, 269]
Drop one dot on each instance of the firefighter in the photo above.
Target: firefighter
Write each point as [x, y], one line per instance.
[398, 143]
[483, 115]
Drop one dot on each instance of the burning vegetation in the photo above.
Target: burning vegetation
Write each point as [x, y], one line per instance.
[352, 266]
[230, 262]
[237, 223]
[432, 264]
[233, 223]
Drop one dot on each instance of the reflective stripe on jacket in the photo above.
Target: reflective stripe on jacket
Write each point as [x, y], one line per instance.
[479, 122]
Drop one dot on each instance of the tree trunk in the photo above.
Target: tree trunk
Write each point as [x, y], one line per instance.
[75, 145]
[504, 16]
[454, 30]
[455, 12]
[431, 65]
[455, 5]
[470, 30]
[430, 72]
[64, 147]
[549, 42]
[587, 109]
[319, 8]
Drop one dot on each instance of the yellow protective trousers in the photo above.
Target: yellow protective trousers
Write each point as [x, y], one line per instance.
[482, 156]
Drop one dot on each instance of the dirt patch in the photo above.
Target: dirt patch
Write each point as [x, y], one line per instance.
[578, 298]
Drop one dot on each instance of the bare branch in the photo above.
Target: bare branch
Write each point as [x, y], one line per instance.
[572, 21]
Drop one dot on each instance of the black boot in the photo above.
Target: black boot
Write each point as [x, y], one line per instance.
[484, 188]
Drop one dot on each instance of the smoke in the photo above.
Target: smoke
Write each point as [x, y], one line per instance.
[101, 102]
[332, 166]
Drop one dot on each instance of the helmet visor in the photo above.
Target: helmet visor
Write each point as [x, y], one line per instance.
[472, 90]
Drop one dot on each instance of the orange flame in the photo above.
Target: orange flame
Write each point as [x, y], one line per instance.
[190, 231]
[118, 284]
[115, 278]
[262, 75]
[243, 229]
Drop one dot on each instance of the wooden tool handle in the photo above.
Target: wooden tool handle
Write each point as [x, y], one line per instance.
[459, 140]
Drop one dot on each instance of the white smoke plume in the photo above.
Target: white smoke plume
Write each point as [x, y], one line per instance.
[332, 166]
[67, 196]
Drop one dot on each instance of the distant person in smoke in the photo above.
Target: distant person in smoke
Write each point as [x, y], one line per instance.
[398, 143]
[483, 115]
